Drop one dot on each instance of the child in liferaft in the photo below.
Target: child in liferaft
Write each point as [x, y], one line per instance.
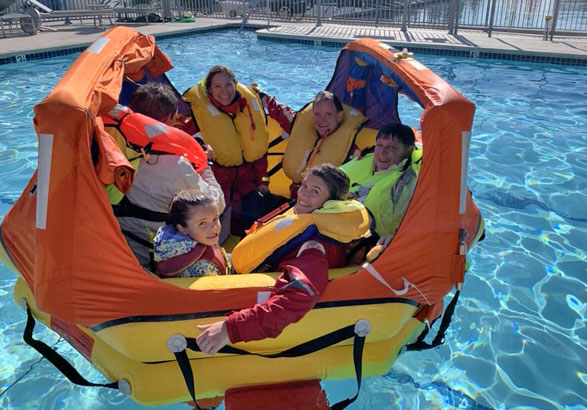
[187, 245]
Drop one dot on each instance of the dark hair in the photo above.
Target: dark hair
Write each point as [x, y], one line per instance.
[182, 204]
[155, 100]
[328, 96]
[403, 133]
[217, 69]
[336, 180]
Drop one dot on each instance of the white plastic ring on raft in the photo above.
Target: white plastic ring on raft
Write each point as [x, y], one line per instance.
[124, 386]
[362, 328]
[176, 343]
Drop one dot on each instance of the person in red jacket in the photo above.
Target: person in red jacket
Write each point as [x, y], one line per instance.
[304, 273]
[245, 186]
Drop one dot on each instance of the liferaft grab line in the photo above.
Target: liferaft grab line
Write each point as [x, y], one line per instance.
[359, 331]
[55, 358]
[371, 269]
[420, 344]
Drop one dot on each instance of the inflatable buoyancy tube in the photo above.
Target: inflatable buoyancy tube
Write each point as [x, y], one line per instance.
[137, 134]
[300, 152]
[230, 138]
[339, 221]
[360, 173]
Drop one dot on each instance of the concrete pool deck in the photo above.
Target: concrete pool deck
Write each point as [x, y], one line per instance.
[18, 46]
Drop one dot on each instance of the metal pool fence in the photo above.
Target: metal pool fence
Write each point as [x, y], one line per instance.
[560, 17]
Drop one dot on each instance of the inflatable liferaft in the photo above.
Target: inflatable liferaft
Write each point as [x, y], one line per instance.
[78, 276]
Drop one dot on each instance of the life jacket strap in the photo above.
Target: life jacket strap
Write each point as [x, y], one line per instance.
[261, 221]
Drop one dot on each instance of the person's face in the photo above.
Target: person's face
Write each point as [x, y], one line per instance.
[389, 151]
[326, 117]
[222, 88]
[312, 194]
[203, 226]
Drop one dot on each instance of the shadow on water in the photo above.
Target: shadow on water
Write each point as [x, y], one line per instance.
[507, 200]
[453, 398]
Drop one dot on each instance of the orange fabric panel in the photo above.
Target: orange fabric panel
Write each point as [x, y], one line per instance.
[112, 166]
[19, 237]
[82, 271]
[425, 248]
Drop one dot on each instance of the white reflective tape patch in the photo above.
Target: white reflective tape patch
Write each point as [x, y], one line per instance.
[262, 296]
[117, 110]
[256, 105]
[213, 110]
[283, 223]
[43, 176]
[416, 64]
[152, 130]
[465, 143]
[98, 45]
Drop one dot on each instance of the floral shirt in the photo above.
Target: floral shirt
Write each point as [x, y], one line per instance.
[169, 243]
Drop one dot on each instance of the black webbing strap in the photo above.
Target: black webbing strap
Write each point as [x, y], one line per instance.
[275, 142]
[274, 170]
[420, 344]
[127, 208]
[186, 370]
[300, 350]
[55, 358]
[358, 345]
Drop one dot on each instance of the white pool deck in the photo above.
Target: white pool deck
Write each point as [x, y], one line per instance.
[17, 43]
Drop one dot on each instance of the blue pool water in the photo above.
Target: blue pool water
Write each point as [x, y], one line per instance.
[518, 338]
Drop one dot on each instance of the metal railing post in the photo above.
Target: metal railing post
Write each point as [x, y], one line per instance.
[457, 16]
[405, 16]
[268, 10]
[487, 13]
[319, 21]
[547, 20]
[554, 18]
[376, 13]
[491, 18]
[451, 18]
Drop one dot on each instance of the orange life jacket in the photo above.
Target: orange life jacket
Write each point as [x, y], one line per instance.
[146, 135]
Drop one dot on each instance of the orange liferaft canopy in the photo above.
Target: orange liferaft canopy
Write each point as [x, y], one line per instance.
[64, 240]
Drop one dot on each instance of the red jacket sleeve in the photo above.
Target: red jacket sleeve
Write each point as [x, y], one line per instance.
[298, 288]
[279, 112]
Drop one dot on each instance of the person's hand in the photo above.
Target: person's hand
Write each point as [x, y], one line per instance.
[378, 249]
[385, 241]
[263, 188]
[256, 88]
[213, 337]
[209, 152]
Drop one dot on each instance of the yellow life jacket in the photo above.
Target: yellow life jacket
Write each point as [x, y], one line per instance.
[231, 138]
[300, 153]
[341, 221]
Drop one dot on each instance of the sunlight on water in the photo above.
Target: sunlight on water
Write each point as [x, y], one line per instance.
[518, 337]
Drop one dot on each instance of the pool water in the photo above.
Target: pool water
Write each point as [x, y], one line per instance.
[518, 336]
